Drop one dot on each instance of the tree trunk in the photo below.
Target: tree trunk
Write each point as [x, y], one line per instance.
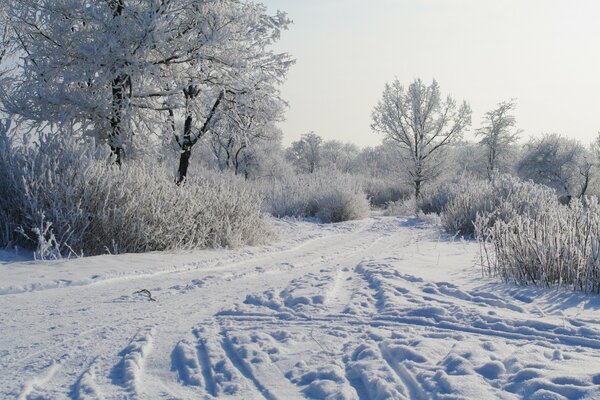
[121, 90]
[586, 180]
[188, 142]
[417, 189]
[186, 150]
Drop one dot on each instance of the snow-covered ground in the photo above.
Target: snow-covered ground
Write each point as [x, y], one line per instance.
[376, 309]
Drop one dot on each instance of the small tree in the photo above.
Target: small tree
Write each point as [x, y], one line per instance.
[422, 123]
[561, 163]
[305, 153]
[498, 133]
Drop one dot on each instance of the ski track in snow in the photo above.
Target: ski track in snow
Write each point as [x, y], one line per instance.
[377, 309]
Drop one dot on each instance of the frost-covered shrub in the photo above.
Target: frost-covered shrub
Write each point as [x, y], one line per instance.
[457, 202]
[382, 191]
[402, 207]
[462, 208]
[552, 245]
[60, 196]
[329, 196]
[433, 199]
[460, 202]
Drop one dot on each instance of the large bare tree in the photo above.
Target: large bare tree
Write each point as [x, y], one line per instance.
[422, 123]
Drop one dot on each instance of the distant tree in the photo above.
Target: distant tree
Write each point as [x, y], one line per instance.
[238, 133]
[595, 149]
[269, 158]
[422, 123]
[378, 162]
[305, 154]
[498, 132]
[339, 155]
[558, 162]
[465, 158]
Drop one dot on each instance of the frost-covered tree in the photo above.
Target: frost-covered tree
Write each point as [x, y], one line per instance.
[115, 68]
[378, 162]
[269, 158]
[305, 154]
[241, 126]
[465, 159]
[559, 162]
[498, 132]
[339, 155]
[422, 123]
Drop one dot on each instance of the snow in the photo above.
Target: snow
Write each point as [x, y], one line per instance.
[383, 308]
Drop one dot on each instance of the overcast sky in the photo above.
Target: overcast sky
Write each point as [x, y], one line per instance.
[544, 53]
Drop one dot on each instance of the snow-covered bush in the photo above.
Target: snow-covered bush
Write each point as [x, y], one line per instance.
[551, 245]
[433, 199]
[60, 196]
[329, 196]
[402, 207]
[461, 201]
[382, 191]
[462, 208]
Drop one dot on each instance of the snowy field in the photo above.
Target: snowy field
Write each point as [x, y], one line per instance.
[376, 309]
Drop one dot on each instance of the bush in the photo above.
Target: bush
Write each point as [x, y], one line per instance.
[329, 196]
[433, 199]
[555, 245]
[382, 192]
[460, 202]
[59, 197]
[526, 236]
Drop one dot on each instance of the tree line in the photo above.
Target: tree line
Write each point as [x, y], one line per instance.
[163, 79]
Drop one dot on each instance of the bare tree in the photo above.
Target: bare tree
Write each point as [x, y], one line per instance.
[498, 132]
[422, 123]
[558, 162]
[305, 153]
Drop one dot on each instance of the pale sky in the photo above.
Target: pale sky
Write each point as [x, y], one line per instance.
[544, 53]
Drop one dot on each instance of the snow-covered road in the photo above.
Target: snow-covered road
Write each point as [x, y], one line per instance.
[376, 309]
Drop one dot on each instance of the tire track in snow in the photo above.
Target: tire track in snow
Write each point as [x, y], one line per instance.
[129, 372]
[85, 388]
[414, 389]
[38, 382]
[206, 367]
[240, 364]
[427, 325]
[186, 362]
[346, 251]
[322, 253]
[212, 265]
[426, 312]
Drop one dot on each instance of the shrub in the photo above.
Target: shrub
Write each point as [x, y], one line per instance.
[59, 197]
[329, 196]
[433, 199]
[526, 236]
[383, 191]
[555, 245]
[460, 202]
